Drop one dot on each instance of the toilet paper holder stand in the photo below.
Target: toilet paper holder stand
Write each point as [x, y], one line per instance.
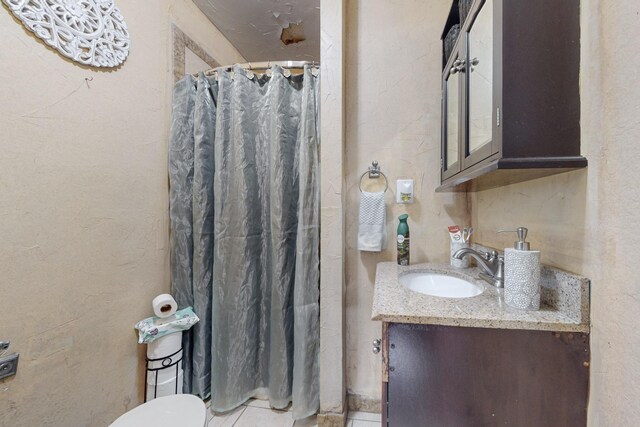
[166, 362]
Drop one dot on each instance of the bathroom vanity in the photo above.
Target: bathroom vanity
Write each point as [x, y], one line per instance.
[477, 362]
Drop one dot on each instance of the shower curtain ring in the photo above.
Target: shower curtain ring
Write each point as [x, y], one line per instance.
[250, 73]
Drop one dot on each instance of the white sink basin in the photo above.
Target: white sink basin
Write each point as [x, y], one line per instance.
[439, 285]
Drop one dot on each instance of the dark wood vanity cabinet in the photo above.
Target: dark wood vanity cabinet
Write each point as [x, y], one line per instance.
[446, 376]
[510, 94]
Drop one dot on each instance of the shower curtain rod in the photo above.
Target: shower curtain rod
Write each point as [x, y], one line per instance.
[264, 65]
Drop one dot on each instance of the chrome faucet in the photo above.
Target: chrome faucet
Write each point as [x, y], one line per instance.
[491, 263]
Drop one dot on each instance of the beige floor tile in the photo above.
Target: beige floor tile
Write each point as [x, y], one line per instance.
[227, 419]
[311, 421]
[364, 416]
[360, 423]
[253, 417]
[258, 403]
[207, 404]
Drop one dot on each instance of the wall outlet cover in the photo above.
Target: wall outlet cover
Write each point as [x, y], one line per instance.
[404, 191]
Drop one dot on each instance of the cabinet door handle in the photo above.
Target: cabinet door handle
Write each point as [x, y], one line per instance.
[458, 66]
[376, 346]
[473, 63]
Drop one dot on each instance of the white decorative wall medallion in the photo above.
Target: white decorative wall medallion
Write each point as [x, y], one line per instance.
[91, 32]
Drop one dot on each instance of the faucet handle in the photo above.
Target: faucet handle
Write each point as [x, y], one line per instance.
[490, 256]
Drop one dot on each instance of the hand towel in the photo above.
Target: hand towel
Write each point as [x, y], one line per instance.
[372, 230]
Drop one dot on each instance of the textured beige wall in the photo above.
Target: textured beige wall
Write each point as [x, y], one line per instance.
[332, 300]
[84, 215]
[586, 221]
[393, 116]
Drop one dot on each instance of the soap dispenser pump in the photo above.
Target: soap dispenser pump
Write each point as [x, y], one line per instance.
[521, 244]
[521, 273]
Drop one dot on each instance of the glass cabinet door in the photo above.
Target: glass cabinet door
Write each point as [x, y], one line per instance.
[480, 86]
[452, 121]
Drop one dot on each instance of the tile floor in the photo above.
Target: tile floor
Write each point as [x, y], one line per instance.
[256, 413]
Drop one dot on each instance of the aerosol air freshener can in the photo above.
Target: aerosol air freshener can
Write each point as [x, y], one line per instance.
[403, 240]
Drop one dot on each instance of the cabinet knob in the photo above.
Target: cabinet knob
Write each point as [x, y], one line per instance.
[457, 66]
[376, 345]
[473, 63]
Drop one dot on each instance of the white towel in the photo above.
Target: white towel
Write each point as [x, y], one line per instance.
[372, 231]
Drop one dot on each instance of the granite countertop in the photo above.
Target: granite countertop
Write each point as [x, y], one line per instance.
[564, 301]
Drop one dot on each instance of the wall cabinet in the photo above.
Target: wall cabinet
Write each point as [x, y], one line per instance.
[510, 94]
[449, 376]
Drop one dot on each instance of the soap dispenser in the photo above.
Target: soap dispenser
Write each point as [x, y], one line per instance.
[521, 273]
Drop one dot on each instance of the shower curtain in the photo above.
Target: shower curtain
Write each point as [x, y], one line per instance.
[244, 208]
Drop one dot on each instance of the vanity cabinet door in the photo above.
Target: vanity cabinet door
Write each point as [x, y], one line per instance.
[479, 139]
[449, 376]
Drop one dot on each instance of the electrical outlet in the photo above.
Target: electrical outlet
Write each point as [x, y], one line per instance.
[404, 191]
[8, 365]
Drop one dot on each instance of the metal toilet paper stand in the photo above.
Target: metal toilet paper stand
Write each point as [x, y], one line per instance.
[167, 362]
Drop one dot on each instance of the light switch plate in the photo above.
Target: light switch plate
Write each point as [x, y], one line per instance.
[8, 365]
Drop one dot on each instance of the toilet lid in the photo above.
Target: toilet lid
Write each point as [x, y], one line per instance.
[184, 410]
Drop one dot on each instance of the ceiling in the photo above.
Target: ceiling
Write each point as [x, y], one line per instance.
[255, 27]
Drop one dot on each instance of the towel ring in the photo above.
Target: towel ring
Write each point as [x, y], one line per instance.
[374, 173]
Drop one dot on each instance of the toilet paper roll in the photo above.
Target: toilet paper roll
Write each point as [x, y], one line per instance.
[164, 305]
[522, 279]
[163, 375]
[165, 388]
[164, 346]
